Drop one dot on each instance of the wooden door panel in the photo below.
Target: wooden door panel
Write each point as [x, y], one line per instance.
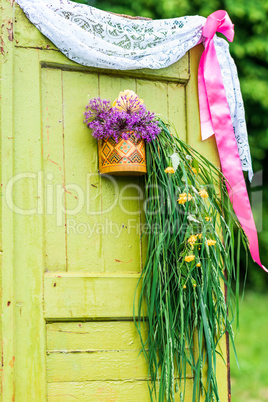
[84, 250]
[53, 166]
[102, 365]
[101, 229]
[87, 315]
[93, 335]
[76, 296]
[106, 391]
[122, 252]
[102, 268]
[97, 357]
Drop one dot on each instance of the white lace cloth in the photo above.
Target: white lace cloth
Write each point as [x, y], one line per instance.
[93, 37]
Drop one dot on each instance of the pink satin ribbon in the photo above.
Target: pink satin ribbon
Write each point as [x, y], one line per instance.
[215, 119]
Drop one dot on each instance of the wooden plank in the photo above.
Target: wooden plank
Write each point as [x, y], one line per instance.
[107, 391]
[207, 148]
[82, 182]
[143, 227]
[102, 365]
[27, 35]
[96, 366]
[3, 99]
[177, 109]
[108, 335]
[28, 234]
[7, 347]
[28, 238]
[120, 203]
[54, 170]
[70, 296]
[155, 95]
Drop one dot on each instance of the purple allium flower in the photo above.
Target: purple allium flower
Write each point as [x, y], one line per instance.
[106, 121]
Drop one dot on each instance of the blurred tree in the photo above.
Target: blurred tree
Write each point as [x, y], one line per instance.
[250, 51]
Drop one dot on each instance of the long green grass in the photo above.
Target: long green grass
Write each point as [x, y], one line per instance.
[190, 255]
[250, 382]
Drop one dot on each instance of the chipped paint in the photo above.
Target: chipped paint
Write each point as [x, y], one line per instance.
[2, 47]
[10, 31]
[123, 262]
[12, 362]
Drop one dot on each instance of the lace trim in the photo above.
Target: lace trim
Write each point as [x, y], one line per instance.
[93, 37]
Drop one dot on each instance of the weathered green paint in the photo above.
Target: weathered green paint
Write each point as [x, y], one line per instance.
[6, 171]
[81, 296]
[67, 298]
[92, 336]
[105, 391]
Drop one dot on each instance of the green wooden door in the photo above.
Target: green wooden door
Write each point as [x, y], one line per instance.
[72, 244]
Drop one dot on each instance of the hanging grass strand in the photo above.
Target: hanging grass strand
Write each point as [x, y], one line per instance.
[190, 258]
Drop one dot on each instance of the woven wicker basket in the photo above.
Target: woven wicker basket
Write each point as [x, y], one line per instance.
[122, 158]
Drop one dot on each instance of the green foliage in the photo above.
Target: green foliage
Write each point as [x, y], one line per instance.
[250, 51]
[250, 382]
[191, 252]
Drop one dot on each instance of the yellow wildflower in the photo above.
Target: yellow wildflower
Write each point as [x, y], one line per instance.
[195, 170]
[189, 258]
[183, 198]
[203, 194]
[198, 264]
[169, 170]
[184, 286]
[192, 239]
[208, 218]
[200, 235]
[194, 285]
[211, 242]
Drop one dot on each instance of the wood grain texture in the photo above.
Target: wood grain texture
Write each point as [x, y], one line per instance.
[1, 202]
[105, 391]
[54, 170]
[7, 344]
[68, 296]
[116, 365]
[96, 366]
[84, 241]
[85, 336]
[207, 148]
[120, 202]
[95, 351]
[177, 109]
[27, 35]
[28, 233]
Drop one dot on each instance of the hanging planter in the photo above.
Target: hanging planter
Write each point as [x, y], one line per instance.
[122, 130]
[123, 158]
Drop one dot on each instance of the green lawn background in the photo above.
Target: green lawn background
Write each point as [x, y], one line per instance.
[250, 382]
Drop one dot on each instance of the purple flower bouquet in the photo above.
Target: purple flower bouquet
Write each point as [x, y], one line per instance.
[122, 129]
[127, 116]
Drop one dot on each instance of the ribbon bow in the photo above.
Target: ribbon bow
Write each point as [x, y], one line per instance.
[215, 119]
